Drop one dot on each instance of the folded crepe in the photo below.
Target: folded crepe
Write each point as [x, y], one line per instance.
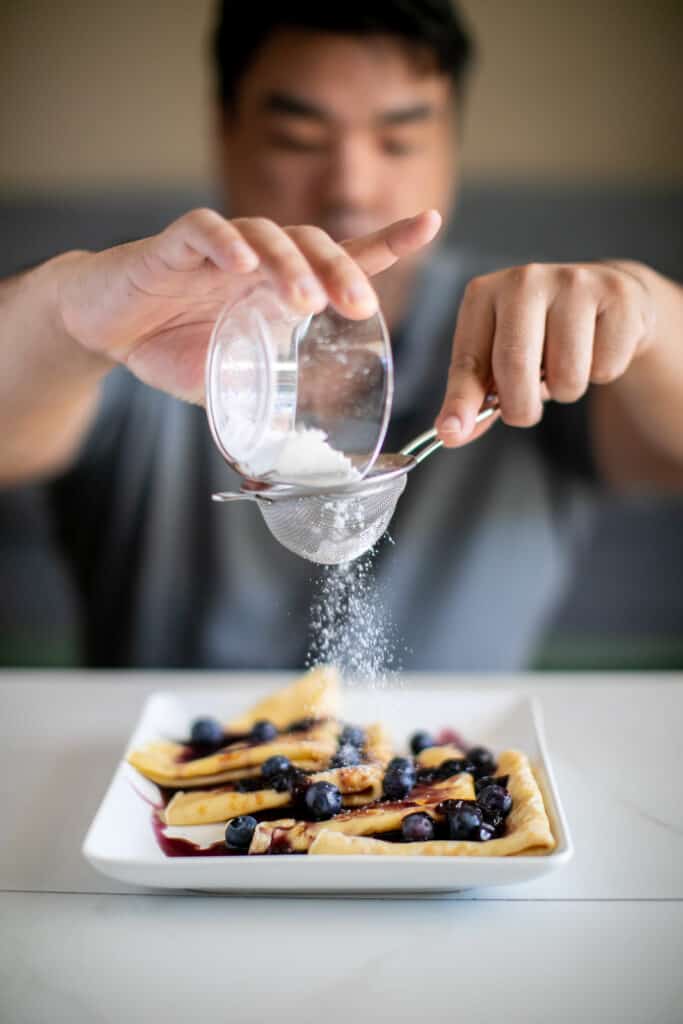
[358, 784]
[527, 829]
[314, 696]
[292, 836]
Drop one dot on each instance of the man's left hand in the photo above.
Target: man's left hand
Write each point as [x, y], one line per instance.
[542, 331]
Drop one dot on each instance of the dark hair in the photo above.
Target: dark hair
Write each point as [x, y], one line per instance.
[431, 27]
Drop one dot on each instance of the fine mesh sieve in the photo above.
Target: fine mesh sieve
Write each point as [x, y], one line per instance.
[333, 528]
[338, 525]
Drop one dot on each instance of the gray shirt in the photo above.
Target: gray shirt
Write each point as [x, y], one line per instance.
[157, 575]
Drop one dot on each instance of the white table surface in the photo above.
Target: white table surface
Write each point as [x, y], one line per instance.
[600, 940]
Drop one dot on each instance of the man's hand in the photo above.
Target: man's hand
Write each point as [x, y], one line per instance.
[152, 304]
[574, 324]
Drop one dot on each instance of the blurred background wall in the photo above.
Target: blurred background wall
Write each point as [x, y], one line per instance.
[99, 94]
[573, 150]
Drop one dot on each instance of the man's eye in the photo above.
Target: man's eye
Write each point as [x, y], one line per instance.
[294, 145]
[396, 147]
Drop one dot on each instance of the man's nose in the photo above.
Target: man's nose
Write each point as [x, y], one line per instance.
[353, 174]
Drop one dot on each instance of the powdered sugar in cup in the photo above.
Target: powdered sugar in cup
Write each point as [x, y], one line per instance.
[294, 400]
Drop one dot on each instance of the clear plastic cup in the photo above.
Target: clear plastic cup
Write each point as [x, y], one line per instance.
[292, 400]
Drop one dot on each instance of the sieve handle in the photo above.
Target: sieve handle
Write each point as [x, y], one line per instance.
[238, 496]
[416, 449]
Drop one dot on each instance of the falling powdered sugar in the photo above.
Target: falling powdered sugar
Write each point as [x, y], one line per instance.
[350, 626]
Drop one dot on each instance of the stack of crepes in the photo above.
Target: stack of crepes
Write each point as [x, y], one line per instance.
[227, 783]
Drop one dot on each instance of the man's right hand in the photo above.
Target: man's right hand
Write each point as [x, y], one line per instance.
[152, 304]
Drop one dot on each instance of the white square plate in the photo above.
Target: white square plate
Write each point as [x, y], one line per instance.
[121, 841]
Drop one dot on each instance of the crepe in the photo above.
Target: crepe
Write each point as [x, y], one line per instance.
[358, 784]
[432, 757]
[162, 762]
[316, 694]
[291, 836]
[527, 829]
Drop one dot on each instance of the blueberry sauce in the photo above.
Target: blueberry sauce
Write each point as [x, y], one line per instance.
[173, 847]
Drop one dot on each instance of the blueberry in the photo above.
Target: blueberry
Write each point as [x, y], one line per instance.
[399, 778]
[496, 820]
[447, 806]
[298, 782]
[345, 756]
[263, 732]
[417, 828]
[465, 821]
[323, 800]
[239, 831]
[454, 766]
[206, 732]
[494, 798]
[491, 780]
[281, 783]
[420, 741]
[483, 760]
[276, 765]
[353, 735]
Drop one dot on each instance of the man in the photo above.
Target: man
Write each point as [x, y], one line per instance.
[347, 120]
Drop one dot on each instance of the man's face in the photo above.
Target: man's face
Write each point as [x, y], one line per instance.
[348, 134]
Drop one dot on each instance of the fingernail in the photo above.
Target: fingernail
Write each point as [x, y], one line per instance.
[451, 425]
[309, 289]
[361, 295]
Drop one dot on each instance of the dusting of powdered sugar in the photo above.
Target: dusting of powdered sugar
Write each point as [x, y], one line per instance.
[342, 530]
[351, 627]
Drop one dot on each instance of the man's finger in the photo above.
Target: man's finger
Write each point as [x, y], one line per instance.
[284, 261]
[568, 346]
[518, 345]
[204, 234]
[344, 282]
[470, 370]
[380, 250]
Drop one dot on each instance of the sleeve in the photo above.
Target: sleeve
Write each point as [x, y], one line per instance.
[42, 611]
